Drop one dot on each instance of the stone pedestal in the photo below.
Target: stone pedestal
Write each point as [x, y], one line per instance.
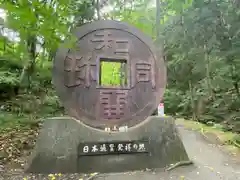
[56, 149]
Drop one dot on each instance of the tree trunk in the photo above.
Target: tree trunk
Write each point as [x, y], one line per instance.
[98, 10]
[158, 19]
[191, 89]
[52, 55]
[235, 80]
[29, 68]
[4, 44]
[24, 78]
[32, 52]
[236, 86]
[208, 76]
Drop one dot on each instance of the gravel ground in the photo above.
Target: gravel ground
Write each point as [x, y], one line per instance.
[211, 162]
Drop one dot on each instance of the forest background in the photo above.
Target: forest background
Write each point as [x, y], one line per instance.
[200, 40]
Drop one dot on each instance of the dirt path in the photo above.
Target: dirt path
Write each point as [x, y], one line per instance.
[210, 163]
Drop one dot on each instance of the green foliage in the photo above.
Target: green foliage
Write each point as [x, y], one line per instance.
[112, 74]
[201, 45]
[8, 78]
[203, 62]
[26, 64]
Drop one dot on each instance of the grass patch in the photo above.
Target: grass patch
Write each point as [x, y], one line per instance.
[229, 139]
[25, 110]
[9, 121]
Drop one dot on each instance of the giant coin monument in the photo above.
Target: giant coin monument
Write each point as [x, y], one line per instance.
[78, 142]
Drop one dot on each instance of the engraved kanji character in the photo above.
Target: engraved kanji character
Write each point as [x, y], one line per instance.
[120, 50]
[104, 40]
[85, 149]
[115, 128]
[111, 146]
[72, 62]
[107, 129]
[123, 129]
[141, 147]
[120, 147]
[103, 148]
[145, 72]
[113, 109]
[94, 148]
[89, 72]
[105, 102]
[121, 98]
[135, 146]
[128, 147]
[73, 69]
[79, 70]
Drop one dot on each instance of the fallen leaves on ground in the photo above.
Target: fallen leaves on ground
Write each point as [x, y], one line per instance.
[56, 176]
[16, 143]
[182, 177]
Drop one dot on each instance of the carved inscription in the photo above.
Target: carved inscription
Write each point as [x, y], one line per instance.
[144, 72]
[104, 39]
[83, 74]
[121, 47]
[113, 104]
[79, 70]
[107, 148]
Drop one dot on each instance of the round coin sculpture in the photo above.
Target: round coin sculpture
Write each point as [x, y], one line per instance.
[77, 75]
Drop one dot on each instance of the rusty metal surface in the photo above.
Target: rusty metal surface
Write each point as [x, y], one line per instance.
[76, 75]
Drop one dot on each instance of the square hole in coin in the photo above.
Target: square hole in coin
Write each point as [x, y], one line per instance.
[113, 73]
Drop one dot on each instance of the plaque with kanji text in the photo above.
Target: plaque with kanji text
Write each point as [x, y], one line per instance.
[117, 147]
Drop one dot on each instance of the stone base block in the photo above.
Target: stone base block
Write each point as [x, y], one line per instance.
[56, 149]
